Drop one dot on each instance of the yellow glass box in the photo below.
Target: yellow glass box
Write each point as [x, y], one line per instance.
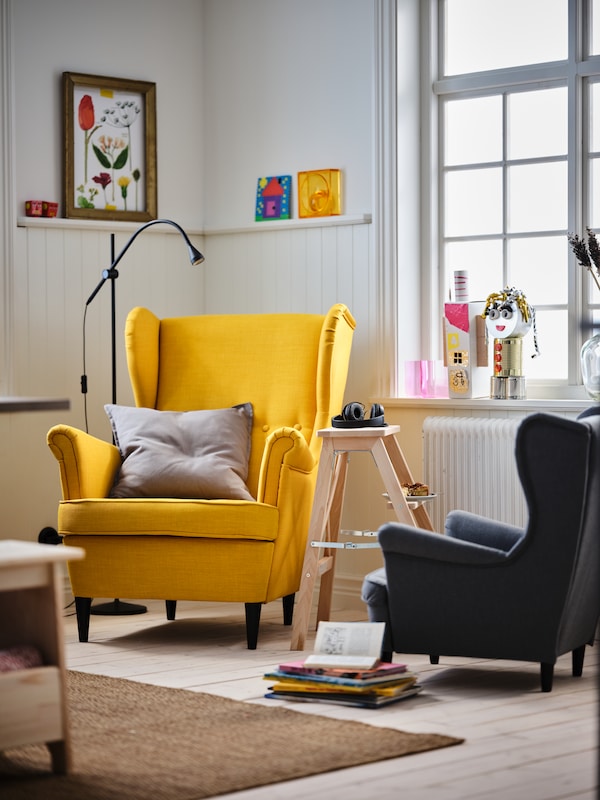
[319, 193]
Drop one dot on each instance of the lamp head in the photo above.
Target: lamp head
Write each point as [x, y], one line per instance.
[196, 256]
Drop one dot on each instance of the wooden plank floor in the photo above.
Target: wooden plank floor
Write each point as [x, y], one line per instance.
[519, 744]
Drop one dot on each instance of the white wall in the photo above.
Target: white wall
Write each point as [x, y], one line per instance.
[220, 126]
[139, 39]
[244, 88]
[50, 272]
[288, 87]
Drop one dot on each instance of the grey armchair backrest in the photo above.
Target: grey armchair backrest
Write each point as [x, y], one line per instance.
[582, 604]
[559, 467]
[490, 590]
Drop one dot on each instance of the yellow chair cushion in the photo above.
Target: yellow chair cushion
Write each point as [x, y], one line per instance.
[200, 519]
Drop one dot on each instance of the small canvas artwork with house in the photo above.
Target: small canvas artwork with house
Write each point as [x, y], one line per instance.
[273, 198]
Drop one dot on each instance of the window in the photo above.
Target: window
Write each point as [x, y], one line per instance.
[518, 126]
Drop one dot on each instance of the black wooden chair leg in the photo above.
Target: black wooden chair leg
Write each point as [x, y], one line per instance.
[252, 622]
[83, 607]
[546, 675]
[171, 608]
[578, 656]
[387, 656]
[288, 608]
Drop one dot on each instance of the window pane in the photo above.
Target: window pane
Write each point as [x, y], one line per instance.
[473, 202]
[482, 260]
[552, 335]
[595, 117]
[537, 124]
[474, 130]
[535, 258]
[486, 34]
[537, 197]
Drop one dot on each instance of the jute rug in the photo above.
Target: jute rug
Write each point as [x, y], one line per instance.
[133, 741]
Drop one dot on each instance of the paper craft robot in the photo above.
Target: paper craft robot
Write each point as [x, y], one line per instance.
[509, 318]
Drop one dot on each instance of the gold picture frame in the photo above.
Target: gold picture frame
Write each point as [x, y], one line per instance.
[110, 148]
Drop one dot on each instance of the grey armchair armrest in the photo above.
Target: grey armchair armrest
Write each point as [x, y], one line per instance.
[416, 543]
[480, 530]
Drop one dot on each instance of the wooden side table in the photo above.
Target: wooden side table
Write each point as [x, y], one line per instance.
[33, 701]
[327, 510]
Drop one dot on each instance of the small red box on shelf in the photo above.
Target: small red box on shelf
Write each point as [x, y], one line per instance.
[33, 208]
[49, 209]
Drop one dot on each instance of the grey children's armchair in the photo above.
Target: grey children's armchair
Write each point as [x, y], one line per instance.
[486, 589]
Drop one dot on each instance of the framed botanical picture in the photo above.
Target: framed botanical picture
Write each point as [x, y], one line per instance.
[110, 148]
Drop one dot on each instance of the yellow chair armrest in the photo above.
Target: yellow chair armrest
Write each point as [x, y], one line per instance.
[285, 449]
[87, 465]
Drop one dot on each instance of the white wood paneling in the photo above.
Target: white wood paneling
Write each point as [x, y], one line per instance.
[293, 269]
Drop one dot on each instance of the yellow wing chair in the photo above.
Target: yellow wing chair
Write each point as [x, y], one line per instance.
[290, 369]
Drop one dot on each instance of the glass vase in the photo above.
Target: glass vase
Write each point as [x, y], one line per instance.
[590, 367]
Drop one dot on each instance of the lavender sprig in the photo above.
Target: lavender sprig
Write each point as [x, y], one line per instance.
[578, 246]
[594, 249]
[587, 255]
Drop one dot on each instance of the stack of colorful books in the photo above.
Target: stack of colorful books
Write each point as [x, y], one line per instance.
[377, 686]
[345, 668]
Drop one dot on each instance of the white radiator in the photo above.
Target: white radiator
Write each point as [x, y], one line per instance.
[469, 462]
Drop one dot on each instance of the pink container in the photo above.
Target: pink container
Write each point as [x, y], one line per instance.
[425, 379]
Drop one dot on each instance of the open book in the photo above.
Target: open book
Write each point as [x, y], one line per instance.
[347, 645]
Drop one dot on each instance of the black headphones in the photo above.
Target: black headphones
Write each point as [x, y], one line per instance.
[353, 416]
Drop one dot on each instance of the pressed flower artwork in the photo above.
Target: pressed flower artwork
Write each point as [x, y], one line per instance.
[110, 148]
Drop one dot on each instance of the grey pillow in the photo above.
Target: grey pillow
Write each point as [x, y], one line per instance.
[186, 454]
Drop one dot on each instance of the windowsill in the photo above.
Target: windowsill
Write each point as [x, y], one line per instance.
[529, 405]
[558, 397]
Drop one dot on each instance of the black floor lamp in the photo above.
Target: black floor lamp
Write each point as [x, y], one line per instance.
[116, 607]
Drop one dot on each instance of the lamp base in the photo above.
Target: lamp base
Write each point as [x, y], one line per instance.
[117, 609]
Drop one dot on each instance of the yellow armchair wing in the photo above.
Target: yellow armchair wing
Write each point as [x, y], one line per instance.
[292, 368]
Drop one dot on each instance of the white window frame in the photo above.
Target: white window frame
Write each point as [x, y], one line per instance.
[7, 213]
[573, 73]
